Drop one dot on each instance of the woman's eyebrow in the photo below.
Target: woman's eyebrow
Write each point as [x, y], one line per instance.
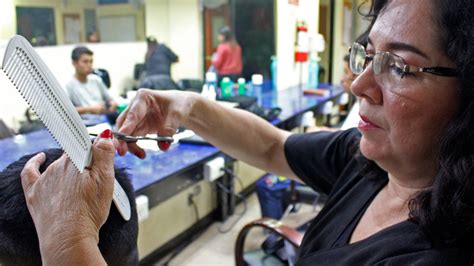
[400, 46]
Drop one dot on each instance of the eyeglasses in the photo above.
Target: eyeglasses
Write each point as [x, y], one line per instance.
[390, 69]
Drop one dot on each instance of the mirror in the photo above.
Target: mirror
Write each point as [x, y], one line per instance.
[57, 22]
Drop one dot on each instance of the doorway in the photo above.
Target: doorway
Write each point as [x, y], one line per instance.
[215, 17]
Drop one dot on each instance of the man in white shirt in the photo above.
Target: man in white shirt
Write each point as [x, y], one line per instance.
[87, 91]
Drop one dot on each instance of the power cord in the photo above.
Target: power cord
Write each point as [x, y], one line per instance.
[180, 248]
[238, 195]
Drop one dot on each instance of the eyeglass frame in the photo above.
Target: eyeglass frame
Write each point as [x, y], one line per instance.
[406, 68]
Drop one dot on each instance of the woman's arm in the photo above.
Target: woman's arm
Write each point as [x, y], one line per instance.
[238, 133]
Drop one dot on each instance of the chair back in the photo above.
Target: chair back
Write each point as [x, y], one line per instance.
[190, 84]
[104, 75]
[159, 82]
[289, 234]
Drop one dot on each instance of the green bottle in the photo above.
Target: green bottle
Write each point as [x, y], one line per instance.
[241, 86]
[226, 87]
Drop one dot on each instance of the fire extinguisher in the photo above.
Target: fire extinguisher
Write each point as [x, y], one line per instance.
[302, 43]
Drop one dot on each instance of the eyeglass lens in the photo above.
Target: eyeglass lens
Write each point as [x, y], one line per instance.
[388, 68]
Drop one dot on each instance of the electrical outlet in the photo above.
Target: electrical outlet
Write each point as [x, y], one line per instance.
[214, 169]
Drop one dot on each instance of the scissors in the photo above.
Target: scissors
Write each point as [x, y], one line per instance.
[163, 142]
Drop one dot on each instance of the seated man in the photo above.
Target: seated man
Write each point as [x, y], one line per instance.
[18, 238]
[87, 91]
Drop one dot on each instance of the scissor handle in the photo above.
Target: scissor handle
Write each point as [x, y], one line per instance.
[129, 139]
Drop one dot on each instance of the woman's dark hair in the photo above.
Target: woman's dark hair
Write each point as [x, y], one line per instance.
[227, 33]
[445, 212]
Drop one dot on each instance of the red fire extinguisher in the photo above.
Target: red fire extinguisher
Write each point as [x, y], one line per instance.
[302, 43]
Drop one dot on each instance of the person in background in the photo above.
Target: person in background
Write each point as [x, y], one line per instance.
[348, 76]
[351, 119]
[53, 215]
[158, 60]
[228, 58]
[87, 91]
[93, 37]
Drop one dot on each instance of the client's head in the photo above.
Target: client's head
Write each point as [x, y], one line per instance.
[18, 239]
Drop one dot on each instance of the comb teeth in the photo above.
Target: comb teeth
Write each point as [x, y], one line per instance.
[49, 101]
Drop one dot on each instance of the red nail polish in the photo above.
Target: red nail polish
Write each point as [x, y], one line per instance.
[164, 145]
[106, 134]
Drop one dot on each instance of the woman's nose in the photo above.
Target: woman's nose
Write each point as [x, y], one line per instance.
[365, 86]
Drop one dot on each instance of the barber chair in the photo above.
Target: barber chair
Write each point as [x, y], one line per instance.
[297, 194]
[159, 82]
[190, 84]
[279, 248]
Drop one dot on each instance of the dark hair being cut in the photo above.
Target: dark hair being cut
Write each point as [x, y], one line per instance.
[18, 238]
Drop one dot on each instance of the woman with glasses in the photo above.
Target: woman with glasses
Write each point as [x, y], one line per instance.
[401, 186]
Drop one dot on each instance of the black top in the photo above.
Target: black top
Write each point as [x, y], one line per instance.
[326, 162]
[159, 62]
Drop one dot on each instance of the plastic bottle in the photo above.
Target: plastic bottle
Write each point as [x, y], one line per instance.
[313, 73]
[273, 71]
[257, 82]
[210, 86]
[226, 87]
[241, 86]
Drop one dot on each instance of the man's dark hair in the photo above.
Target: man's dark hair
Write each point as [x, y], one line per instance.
[445, 212]
[18, 238]
[80, 50]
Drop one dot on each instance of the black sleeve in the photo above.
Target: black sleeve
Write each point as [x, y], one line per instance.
[319, 158]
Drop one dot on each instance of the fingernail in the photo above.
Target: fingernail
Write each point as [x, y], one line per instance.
[106, 134]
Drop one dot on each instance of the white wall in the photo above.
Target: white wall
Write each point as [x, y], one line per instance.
[117, 58]
[288, 72]
[178, 24]
[8, 19]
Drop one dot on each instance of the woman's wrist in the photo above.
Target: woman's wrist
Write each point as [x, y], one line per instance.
[77, 252]
[192, 103]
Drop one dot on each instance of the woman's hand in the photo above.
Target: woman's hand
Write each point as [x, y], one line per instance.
[68, 208]
[153, 112]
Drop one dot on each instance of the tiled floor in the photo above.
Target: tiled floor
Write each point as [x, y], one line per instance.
[215, 248]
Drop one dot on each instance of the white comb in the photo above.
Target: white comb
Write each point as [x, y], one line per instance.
[35, 82]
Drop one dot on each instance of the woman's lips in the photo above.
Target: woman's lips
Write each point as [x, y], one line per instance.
[366, 124]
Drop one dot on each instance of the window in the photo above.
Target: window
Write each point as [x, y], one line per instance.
[36, 24]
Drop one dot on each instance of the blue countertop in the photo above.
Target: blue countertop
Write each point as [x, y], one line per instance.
[159, 165]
